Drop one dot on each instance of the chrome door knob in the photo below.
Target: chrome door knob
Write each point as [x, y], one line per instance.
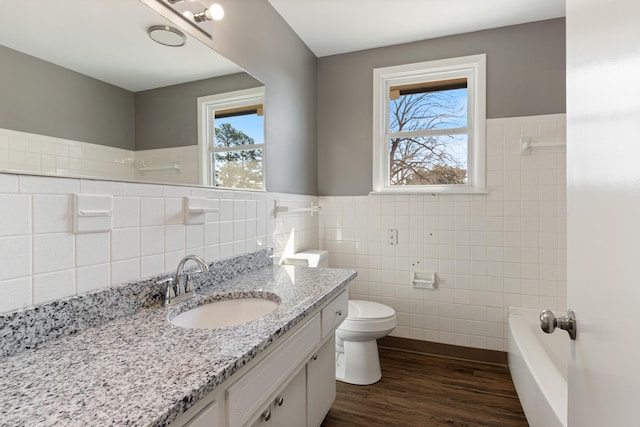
[549, 322]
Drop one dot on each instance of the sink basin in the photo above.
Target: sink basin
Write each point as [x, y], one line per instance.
[227, 312]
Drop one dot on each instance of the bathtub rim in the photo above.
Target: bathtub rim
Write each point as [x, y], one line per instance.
[547, 380]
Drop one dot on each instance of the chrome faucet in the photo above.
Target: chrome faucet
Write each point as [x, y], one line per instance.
[178, 289]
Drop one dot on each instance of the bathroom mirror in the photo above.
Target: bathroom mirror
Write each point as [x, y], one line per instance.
[86, 92]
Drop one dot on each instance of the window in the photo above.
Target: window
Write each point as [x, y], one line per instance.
[429, 126]
[231, 139]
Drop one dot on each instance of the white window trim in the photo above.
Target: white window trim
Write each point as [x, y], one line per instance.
[207, 106]
[474, 68]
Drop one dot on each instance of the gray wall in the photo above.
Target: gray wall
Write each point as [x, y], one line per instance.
[254, 36]
[168, 116]
[525, 76]
[35, 98]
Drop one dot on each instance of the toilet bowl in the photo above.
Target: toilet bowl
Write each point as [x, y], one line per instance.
[357, 360]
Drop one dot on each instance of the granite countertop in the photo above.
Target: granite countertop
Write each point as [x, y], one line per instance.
[141, 370]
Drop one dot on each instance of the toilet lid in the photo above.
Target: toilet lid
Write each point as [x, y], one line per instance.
[369, 310]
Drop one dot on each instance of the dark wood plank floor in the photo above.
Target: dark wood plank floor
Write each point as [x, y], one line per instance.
[418, 390]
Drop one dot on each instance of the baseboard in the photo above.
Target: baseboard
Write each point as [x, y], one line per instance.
[445, 350]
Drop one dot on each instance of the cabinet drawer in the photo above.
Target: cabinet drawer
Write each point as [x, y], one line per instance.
[334, 313]
[249, 393]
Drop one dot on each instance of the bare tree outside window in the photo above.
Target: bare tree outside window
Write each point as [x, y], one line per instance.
[428, 138]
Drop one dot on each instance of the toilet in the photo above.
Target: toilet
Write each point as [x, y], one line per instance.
[357, 360]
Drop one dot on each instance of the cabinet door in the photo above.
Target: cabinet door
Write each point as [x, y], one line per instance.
[289, 408]
[321, 382]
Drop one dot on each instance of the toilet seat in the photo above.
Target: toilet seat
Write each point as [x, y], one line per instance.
[368, 316]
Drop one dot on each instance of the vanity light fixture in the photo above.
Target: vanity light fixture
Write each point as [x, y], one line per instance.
[166, 35]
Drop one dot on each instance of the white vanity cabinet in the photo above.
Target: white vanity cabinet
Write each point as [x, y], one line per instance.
[293, 385]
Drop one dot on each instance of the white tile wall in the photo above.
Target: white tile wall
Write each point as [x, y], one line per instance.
[32, 153]
[490, 251]
[39, 154]
[43, 260]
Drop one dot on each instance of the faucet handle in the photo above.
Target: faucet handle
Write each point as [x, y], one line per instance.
[170, 291]
[189, 285]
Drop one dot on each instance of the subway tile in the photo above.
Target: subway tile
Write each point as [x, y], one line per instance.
[8, 183]
[53, 252]
[16, 294]
[479, 268]
[194, 236]
[530, 301]
[15, 214]
[52, 213]
[15, 253]
[143, 190]
[151, 240]
[174, 191]
[174, 238]
[126, 212]
[52, 286]
[152, 265]
[93, 277]
[173, 211]
[495, 330]
[29, 184]
[151, 211]
[113, 188]
[495, 299]
[125, 244]
[93, 248]
[125, 271]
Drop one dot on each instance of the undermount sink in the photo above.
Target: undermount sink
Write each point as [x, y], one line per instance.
[226, 312]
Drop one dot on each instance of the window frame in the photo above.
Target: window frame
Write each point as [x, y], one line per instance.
[473, 68]
[207, 107]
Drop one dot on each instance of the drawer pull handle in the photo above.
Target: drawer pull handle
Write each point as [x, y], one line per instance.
[266, 415]
[279, 400]
[315, 357]
[339, 312]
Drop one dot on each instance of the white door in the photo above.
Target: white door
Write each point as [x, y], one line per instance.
[603, 210]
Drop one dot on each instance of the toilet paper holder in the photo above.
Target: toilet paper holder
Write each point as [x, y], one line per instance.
[424, 279]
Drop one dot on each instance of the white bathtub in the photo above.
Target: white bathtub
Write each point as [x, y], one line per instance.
[538, 365]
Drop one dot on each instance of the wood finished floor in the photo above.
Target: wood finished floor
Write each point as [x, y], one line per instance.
[418, 390]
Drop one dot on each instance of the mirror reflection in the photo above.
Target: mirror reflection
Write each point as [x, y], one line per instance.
[85, 92]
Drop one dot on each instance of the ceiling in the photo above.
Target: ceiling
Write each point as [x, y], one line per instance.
[106, 40]
[330, 27]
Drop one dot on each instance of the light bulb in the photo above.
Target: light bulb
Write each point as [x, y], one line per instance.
[216, 12]
[188, 14]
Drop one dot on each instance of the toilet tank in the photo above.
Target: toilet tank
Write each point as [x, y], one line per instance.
[309, 258]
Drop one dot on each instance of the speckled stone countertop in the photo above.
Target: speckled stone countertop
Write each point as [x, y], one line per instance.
[140, 369]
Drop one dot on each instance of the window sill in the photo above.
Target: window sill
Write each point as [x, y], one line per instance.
[454, 191]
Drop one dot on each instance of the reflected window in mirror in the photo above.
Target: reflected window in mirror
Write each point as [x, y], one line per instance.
[231, 139]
